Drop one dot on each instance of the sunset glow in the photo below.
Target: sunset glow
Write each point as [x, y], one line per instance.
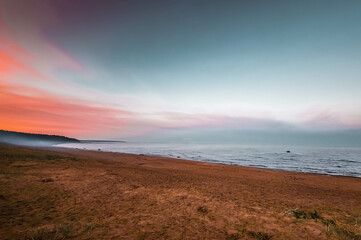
[119, 70]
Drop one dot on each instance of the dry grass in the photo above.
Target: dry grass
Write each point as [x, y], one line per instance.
[64, 194]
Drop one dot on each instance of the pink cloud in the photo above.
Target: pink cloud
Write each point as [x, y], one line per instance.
[44, 113]
[321, 117]
[27, 108]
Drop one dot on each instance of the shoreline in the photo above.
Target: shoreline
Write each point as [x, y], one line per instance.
[105, 195]
[203, 161]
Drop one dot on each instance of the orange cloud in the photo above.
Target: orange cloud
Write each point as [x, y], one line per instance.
[42, 113]
[26, 108]
[12, 62]
[9, 65]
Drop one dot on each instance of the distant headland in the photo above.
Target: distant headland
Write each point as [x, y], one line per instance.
[41, 140]
[31, 139]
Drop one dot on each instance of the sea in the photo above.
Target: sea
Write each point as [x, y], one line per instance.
[321, 160]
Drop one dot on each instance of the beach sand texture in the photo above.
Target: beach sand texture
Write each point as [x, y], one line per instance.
[59, 193]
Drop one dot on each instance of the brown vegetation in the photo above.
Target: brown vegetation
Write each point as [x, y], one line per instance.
[60, 194]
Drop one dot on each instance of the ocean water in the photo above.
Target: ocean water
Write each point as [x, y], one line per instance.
[332, 161]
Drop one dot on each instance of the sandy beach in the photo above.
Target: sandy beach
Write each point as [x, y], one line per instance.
[59, 193]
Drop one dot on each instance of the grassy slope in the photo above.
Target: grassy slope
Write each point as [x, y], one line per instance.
[90, 195]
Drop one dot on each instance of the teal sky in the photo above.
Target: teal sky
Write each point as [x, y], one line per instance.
[185, 64]
[282, 53]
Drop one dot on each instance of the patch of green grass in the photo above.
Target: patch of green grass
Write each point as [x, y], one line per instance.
[332, 228]
[202, 209]
[314, 215]
[345, 234]
[301, 214]
[46, 180]
[259, 235]
[329, 222]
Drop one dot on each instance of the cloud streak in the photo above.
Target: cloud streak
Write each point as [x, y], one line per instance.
[26, 106]
[43, 113]
[46, 88]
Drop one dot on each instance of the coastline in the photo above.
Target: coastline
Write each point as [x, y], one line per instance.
[127, 196]
[339, 170]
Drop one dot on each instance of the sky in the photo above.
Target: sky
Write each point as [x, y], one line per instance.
[131, 69]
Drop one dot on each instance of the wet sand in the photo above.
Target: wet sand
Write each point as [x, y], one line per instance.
[59, 193]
